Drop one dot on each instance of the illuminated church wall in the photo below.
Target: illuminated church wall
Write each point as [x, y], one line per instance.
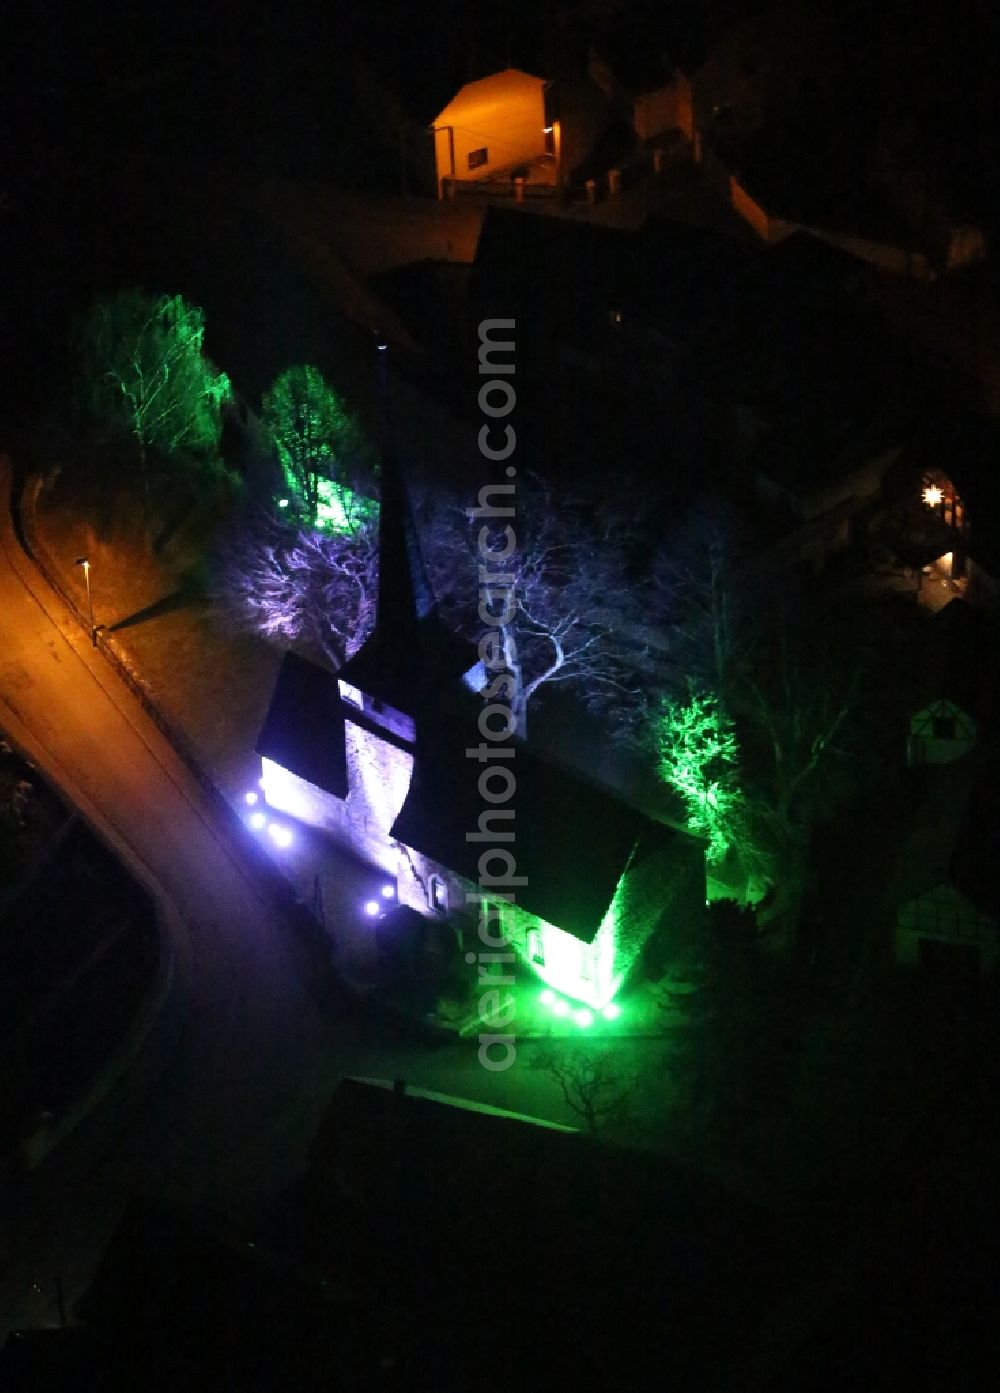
[287, 793]
[378, 776]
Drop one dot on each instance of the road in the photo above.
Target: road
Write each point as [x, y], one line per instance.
[218, 1105]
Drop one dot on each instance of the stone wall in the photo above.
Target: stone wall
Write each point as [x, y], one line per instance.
[378, 776]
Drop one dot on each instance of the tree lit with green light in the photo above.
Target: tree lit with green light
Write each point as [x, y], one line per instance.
[326, 460]
[698, 758]
[145, 376]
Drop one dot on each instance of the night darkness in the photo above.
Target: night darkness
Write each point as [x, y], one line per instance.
[262, 268]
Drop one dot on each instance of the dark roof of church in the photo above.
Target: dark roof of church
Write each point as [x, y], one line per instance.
[303, 728]
[408, 667]
[573, 839]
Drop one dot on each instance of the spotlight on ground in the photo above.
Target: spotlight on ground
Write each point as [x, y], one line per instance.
[388, 892]
[281, 836]
[611, 1012]
[560, 1007]
[257, 821]
[583, 1016]
[372, 908]
[547, 997]
[251, 797]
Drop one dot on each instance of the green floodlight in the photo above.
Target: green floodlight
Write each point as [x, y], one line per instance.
[583, 1017]
[612, 1011]
[560, 1007]
[547, 997]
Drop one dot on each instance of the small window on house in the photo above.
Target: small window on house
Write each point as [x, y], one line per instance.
[536, 948]
[944, 727]
[478, 157]
[437, 894]
[615, 316]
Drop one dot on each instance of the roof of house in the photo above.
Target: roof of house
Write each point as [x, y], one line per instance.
[173, 1304]
[789, 348]
[599, 1263]
[487, 91]
[964, 659]
[935, 825]
[636, 60]
[669, 276]
[645, 43]
[809, 258]
[573, 839]
[303, 728]
[801, 189]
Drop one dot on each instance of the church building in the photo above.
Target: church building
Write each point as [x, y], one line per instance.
[376, 756]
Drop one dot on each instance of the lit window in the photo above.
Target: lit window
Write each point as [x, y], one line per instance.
[437, 893]
[536, 948]
[478, 157]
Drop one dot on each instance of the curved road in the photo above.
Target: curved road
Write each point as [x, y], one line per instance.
[220, 1101]
[233, 1075]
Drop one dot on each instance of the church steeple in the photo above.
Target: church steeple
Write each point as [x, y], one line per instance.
[404, 593]
[392, 667]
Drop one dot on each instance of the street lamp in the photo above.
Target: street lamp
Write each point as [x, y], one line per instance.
[85, 563]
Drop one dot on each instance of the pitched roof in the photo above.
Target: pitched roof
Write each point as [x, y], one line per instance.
[965, 658]
[176, 1303]
[810, 366]
[585, 1241]
[678, 34]
[411, 674]
[303, 728]
[573, 839]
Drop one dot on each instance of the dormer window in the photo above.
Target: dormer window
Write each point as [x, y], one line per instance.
[944, 727]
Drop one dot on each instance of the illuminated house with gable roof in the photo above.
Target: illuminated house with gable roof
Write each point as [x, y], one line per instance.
[376, 757]
[494, 126]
